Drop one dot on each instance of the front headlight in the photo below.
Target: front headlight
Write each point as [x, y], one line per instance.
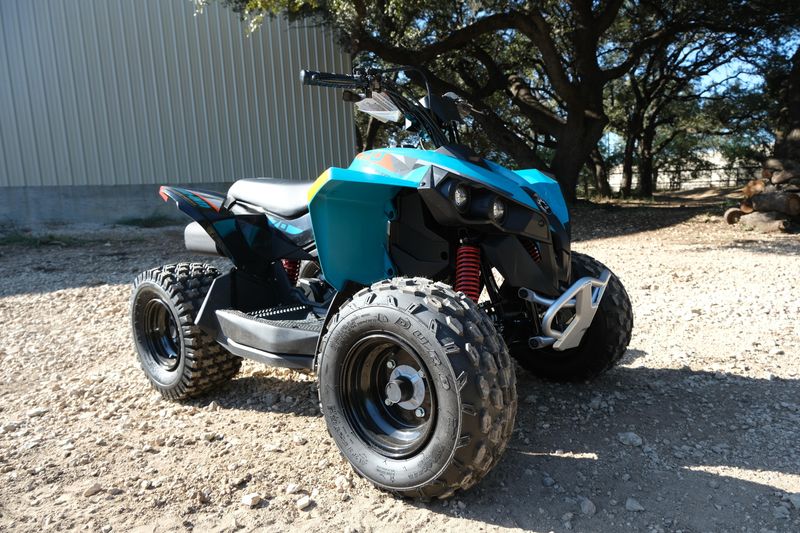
[498, 211]
[461, 198]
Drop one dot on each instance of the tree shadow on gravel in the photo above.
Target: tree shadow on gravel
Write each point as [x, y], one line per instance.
[702, 433]
[265, 393]
[66, 261]
[788, 245]
[601, 221]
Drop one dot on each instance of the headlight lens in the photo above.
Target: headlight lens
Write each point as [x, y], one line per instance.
[461, 197]
[498, 212]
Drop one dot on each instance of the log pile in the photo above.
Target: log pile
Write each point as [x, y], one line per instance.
[772, 202]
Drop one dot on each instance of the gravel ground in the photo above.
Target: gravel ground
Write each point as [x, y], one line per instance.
[697, 430]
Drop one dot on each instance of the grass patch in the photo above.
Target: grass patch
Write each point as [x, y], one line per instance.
[155, 221]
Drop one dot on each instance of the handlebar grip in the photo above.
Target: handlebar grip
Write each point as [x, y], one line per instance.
[327, 79]
[307, 76]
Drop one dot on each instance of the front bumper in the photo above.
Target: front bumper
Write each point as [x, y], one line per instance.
[584, 296]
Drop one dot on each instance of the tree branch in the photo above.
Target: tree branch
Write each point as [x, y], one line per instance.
[537, 29]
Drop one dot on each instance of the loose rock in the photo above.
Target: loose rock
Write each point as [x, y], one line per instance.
[92, 490]
[342, 483]
[630, 439]
[781, 513]
[795, 500]
[251, 500]
[587, 506]
[303, 503]
[633, 505]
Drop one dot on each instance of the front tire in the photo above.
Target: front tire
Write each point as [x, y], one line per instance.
[603, 344]
[179, 359]
[456, 417]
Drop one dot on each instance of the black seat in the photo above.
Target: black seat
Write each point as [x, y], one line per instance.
[285, 198]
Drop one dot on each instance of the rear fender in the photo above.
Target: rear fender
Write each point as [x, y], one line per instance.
[204, 207]
[246, 239]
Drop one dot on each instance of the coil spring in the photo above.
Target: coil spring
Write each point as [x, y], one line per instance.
[468, 271]
[533, 250]
[292, 268]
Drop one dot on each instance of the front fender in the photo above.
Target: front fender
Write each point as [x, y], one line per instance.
[350, 212]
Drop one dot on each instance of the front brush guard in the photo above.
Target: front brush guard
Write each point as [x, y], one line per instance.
[584, 296]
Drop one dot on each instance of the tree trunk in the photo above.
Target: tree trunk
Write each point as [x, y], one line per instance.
[359, 139]
[600, 172]
[646, 175]
[633, 129]
[373, 126]
[627, 166]
[765, 222]
[787, 135]
[579, 137]
[788, 203]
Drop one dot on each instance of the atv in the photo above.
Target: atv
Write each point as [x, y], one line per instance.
[425, 270]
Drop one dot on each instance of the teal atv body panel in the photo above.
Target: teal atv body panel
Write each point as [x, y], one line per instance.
[351, 208]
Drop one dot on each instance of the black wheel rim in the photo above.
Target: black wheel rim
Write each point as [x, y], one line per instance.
[395, 430]
[160, 332]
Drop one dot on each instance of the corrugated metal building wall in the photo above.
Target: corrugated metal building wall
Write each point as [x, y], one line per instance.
[127, 93]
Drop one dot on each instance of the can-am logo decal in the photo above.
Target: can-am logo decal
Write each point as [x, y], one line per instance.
[541, 203]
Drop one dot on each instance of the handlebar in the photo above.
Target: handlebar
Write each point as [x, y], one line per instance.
[373, 80]
[327, 79]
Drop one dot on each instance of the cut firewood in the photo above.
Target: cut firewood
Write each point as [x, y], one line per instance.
[746, 206]
[774, 164]
[784, 202]
[765, 222]
[733, 215]
[782, 177]
[754, 187]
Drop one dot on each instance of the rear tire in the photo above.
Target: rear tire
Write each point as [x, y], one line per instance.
[468, 396]
[179, 359]
[603, 344]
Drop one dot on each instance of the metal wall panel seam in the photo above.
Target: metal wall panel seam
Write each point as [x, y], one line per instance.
[280, 169]
[180, 131]
[134, 117]
[155, 104]
[44, 109]
[23, 102]
[89, 98]
[204, 100]
[236, 102]
[103, 101]
[118, 133]
[171, 166]
[12, 110]
[147, 176]
[305, 173]
[261, 106]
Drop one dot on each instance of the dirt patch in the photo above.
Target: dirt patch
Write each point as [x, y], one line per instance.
[698, 430]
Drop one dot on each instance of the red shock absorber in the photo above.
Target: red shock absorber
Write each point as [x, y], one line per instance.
[468, 271]
[292, 268]
[533, 250]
